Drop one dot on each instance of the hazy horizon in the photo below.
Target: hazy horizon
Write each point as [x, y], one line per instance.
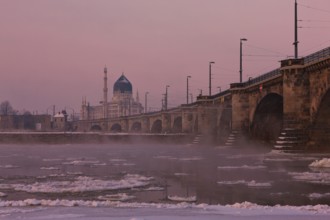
[54, 52]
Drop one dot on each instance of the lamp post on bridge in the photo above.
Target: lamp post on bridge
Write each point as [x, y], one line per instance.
[166, 96]
[188, 89]
[295, 43]
[210, 73]
[240, 59]
[146, 102]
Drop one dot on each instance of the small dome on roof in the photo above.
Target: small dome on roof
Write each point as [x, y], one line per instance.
[122, 85]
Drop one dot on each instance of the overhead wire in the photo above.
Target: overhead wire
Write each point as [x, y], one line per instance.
[317, 9]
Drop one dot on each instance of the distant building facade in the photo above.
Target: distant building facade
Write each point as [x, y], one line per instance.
[122, 103]
[25, 122]
[59, 122]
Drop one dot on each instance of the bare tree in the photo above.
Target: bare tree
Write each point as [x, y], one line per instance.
[6, 108]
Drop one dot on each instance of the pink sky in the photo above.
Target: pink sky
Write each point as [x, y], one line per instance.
[54, 51]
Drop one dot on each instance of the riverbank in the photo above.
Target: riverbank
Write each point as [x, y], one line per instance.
[91, 137]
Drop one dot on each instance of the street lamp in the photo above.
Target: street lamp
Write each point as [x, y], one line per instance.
[240, 59]
[188, 89]
[146, 102]
[210, 87]
[166, 97]
[219, 87]
[295, 43]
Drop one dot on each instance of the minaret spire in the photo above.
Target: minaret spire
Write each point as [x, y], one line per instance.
[105, 93]
[137, 96]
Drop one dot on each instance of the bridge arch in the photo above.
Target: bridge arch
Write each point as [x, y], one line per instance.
[157, 126]
[96, 128]
[268, 117]
[136, 127]
[177, 125]
[116, 128]
[321, 125]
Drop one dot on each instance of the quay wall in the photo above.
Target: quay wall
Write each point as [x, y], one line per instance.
[90, 137]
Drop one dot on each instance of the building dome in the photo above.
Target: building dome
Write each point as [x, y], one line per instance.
[122, 85]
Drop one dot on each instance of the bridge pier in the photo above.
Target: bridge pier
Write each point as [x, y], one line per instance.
[240, 107]
[188, 120]
[207, 121]
[145, 126]
[166, 122]
[296, 94]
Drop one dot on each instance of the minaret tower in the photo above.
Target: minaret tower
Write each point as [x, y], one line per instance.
[105, 94]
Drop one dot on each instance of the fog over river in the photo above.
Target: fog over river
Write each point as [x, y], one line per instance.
[114, 174]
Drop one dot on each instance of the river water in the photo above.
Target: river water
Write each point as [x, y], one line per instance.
[162, 173]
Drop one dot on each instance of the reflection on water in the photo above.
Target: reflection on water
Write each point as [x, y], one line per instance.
[162, 173]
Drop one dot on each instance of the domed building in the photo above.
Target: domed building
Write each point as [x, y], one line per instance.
[121, 104]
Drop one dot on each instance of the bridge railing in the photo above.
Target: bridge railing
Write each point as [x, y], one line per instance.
[317, 55]
[258, 79]
[263, 77]
[307, 59]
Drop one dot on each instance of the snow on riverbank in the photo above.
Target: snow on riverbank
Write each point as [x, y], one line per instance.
[66, 209]
[321, 209]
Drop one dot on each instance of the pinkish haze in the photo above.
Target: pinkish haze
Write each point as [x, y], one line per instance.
[54, 51]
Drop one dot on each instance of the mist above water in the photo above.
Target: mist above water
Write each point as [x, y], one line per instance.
[161, 173]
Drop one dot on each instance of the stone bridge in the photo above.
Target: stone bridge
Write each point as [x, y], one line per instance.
[289, 106]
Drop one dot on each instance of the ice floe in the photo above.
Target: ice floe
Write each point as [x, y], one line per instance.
[182, 199]
[318, 195]
[81, 184]
[242, 167]
[166, 157]
[3, 194]
[99, 164]
[82, 162]
[278, 159]
[251, 183]
[8, 166]
[116, 197]
[117, 160]
[324, 163]
[191, 158]
[181, 174]
[49, 168]
[154, 188]
[312, 177]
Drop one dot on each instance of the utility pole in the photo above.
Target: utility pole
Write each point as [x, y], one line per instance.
[210, 74]
[166, 97]
[188, 89]
[295, 30]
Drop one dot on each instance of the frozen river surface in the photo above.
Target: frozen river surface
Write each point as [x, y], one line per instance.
[142, 181]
